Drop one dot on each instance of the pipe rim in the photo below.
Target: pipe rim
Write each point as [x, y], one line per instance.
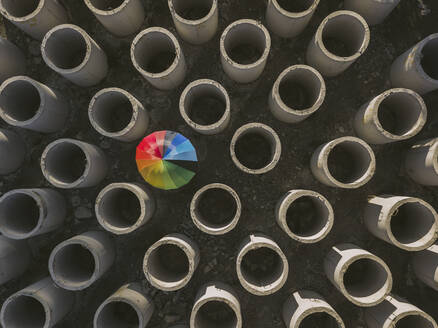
[110, 12]
[202, 224]
[114, 299]
[28, 17]
[319, 309]
[419, 55]
[292, 14]
[416, 312]
[218, 298]
[193, 22]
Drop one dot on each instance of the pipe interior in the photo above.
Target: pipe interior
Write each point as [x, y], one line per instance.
[19, 214]
[295, 6]
[215, 314]
[319, 319]
[205, 104]
[168, 263]
[307, 216]
[192, 9]
[106, 4]
[65, 162]
[413, 223]
[24, 312]
[348, 161]
[364, 278]
[216, 208]
[155, 52]
[20, 8]
[245, 43]
[255, 148]
[428, 61]
[112, 111]
[300, 89]
[20, 100]
[120, 208]
[73, 264]
[66, 48]
[343, 35]
[262, 267]
[414, 320]
[399, 113]
[118, 314]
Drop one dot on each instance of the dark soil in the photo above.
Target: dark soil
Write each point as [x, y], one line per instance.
[260, 263]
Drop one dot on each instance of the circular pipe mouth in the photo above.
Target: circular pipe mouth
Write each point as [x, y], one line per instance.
[215, 209]
[66, 48]
[344, 35]
[23, 310]
[19, 11]
[215, 312]
[192, 12]
[427, 57]
[255, 148]
[295, 9]
[416, 319]
[118, 313]
[320, 317]
[205, 106]
[106, 7]
[155, 52]
[245, 43]
[21, 214]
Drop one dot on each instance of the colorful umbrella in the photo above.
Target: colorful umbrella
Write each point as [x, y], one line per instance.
[166, 160]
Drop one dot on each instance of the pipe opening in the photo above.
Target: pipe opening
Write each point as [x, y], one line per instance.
[216, 207]
[364, 278]
[295, 6]
[343, 35]
[66, 48]
[20, 100]
[19, 214]
[348, 161]
[319, 319]
[262, 266]
[73, 264]
[414, 320]
[168, 263]
[112, 111]
[413, 223]
[307, 216]
[120, 208]
[24, 312]
[106, 4]
[300, 89]
[65, 162]
[192, 9]
[428, 60]
[118, 314]
[399, 112]
[255, 149]
[155, 52]
[215, 314]
[205, 104]
[20, 8]
[245, 43]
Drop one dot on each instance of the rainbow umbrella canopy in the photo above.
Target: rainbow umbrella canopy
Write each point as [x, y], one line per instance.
[166, 160]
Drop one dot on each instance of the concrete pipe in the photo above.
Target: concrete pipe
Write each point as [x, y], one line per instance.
[215, 209]
[12, 60]
[72, 53]
[306, 216]
[406, 222]
[255, 148]
[120, 17]
[345, 162]
[373, 11]
[42, 304]
[122, 208]
[12, 151]
[117, 114]
[421, 162]
[216, 305]
[340, 40]
[26, 213]
[78, 262]
[29, 104]
[15, 258]
[363, 278]
[425, 264]
[205, 106]
[195, 20]
[157, 55]
[34, 17]
[127, 307]
[395, 115]
[69, 163]
[298, 92]
[169, 263]
[394, 311]
[288, 19]
[306, 308]
[262, 267]
[244, 47]
[416, 69]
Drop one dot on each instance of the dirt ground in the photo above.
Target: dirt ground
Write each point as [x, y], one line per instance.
[410, 22]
